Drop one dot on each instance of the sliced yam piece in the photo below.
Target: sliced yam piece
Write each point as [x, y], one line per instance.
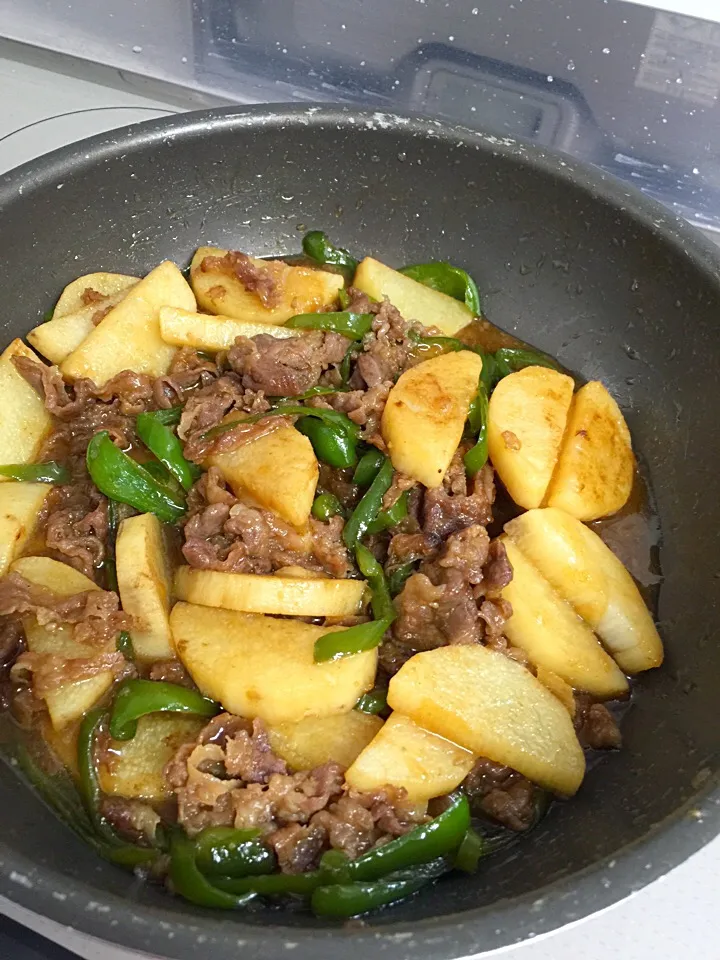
[493, 707]
[583, 570]
[144, 581]
[20, 505]
[552, 634]
[278, 471]
[69, 701]
[314, 741]
[414, 300]
[53, 575]
[402, 754]
[258, 666]
[425, 414]
[203, 331]
[128, 338]
[298, 289]
[74, 297]
[24, 421]
[62, 743]
[57, 338]
[561, 688]
[527, 414]
[594, 474]
[287, 596]
[136, 768]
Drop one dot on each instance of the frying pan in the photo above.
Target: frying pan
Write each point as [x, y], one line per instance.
[576, 263]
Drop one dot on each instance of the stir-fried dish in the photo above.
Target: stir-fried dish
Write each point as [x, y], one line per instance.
[262, 635]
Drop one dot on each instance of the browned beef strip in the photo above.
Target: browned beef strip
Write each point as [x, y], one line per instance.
[76, 527]
[249, 757]
[255, 278]
[285, 368]
[50, 671]
[171, 671]
[387, 351]
[133, 819]
[502, 793]
[498, 569]
[363, 407]
[460, 502]
[595, 725]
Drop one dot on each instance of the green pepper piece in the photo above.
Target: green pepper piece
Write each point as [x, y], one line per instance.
[166, 446]
[332, 445]
[354, 326]
[398, 576]
[189, 882]
[232, 853]
[346, 643]
[50, 472]
[373, 702]
[116, 475]
[109, 566]
[449, 344]
[490, 374]
[137, 698]
[367, 510]
[48, 315]
[371, 569]
[316, 245]
[476, 457]
[169, 417]
[389, 518]
[89, 783]
[428, 841]
[125, 646]
[343, 298]
[333, 418]
[510, 359]
[470, 851]
[446, 278]
[344, 369]
[320, 390]
[367, 468]
[274, 884]
[326, 505]
[344, 900]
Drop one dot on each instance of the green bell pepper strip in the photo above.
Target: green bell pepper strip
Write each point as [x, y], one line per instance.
[136, 698]
[346, 643]
[316, 245]
[367, 468]
[343, 298]
[398, 576]
[320, 390]
[166, 446]
[125, 645]
[274, 884]
[332, 445]
[168, 417]
[472, 849]
[189, 882]
[449, 344]
[371, 569]
[389, 518]
[344, 369]
[119, 477]
[373, 702]
[510, 359]
[440, 837]
[325, 506]
[369, 507]
[50, 472]
[446, 278]
[333, 418]
[476, 458]
[109, 566]
[344, 900]
[89, 784]
[354, 326]
[233, 853]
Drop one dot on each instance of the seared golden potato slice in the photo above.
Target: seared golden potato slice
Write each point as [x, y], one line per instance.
[425, 413]
[317, 740]
[206, 332]
[402, 754]
[299, 289]
[135, 768]
[556, 685]
[286, 596]
[57, 338]
[59, 577]
[583, 570]
[143, 572]
[526, 421]
[278, 471]
[594, 474]
[20, 504]
[552, 634]
[73, 297]
[263, 667]
[414, 300]
[24, 421]
[128, 338]
[493, 707]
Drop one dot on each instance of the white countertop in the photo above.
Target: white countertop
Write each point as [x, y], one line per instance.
[675, 916]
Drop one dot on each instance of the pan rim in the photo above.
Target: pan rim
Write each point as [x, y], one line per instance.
[484, 929]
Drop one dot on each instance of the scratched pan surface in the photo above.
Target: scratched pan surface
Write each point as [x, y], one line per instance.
[612, 284]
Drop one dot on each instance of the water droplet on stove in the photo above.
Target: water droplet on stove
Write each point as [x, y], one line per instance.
[571, 65]
[402, 156]
[137, 48]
